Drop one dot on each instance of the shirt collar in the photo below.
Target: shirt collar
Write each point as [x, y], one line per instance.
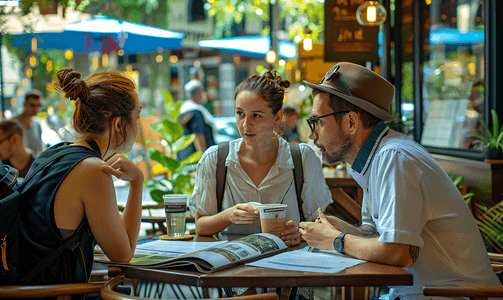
[283, 160]
[368, 150]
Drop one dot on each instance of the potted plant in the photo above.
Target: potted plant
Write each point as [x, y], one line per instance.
[492, 141]
[173, 176]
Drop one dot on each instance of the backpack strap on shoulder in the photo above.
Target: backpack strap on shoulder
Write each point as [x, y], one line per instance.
[223, 151]
[70, 244]
[298, 175]
[43, 164]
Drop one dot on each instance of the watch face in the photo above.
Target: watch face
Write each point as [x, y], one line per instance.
[338, 244]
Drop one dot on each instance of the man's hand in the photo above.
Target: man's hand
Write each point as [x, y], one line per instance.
[242, 214]
[291, 235]
[319, 234]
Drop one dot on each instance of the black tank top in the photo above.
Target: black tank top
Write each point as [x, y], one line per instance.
[39, 232]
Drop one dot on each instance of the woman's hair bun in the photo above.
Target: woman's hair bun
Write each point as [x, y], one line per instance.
[274, 77]
[70, 82]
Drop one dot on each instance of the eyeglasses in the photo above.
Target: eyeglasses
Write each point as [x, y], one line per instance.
[34, 105]
[6, 138]
[314, 120]
[330, 74]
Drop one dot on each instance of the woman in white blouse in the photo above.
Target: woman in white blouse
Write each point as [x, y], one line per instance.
[259, 168]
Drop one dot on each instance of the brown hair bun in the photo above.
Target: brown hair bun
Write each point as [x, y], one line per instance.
[70, 82]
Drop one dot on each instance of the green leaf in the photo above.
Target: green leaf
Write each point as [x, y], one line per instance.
[458, 181]
[192, 159]
[157, 195]
[451, 175]
[176, 112]
[183, 142]
[158, 156]
[169, 130]
[182, 181]
[495, 124]
[468, 195]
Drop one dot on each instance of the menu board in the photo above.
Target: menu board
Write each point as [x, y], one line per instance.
[345, 38]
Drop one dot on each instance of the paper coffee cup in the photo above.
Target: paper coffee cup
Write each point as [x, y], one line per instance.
[272, 218]
[175, 206]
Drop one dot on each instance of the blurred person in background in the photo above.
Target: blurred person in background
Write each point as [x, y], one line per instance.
[32, 137]
[197, 73]
[12, 150]
[195, 118]
[289, 124]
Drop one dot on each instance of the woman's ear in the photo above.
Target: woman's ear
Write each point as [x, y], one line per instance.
[116, 123]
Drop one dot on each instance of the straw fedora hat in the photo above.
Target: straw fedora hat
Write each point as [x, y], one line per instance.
[359, 86]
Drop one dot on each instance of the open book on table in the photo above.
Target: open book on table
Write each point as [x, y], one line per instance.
[206, 257]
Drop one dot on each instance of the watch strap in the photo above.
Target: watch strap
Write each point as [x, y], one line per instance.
[341, 238]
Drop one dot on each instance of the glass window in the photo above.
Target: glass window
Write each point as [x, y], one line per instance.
[407, 95]
[453, 73]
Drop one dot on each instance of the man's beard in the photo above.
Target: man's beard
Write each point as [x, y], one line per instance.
[345, 148]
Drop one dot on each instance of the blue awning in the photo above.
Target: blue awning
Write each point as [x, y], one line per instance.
[455, 36]
[254, 46]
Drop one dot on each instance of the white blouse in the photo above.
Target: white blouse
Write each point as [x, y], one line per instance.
[277, 187]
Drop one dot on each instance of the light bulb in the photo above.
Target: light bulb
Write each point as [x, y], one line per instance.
[270, 57]
[308, 43]
[371, 13]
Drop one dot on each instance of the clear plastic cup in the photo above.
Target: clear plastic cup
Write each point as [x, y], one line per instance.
[176, 207]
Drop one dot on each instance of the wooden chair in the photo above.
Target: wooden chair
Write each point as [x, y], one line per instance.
[108, 292]
[61, 291]
[476, 293]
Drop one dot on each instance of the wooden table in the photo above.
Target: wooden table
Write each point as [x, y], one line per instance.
[366, 274]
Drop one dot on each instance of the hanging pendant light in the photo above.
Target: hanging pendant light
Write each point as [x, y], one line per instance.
[371, 13]
[307, 44]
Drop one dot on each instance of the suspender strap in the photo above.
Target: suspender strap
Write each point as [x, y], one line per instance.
[223, 151]
[298, 175]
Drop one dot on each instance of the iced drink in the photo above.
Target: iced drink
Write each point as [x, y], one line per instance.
[272, 218]
[176, 207]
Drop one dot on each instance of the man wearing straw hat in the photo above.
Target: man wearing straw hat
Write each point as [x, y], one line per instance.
[413, 216]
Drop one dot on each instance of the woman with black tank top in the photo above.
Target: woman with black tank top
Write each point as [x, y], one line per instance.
[77, 189]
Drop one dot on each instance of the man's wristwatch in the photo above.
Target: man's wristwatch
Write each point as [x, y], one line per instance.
[339, 242]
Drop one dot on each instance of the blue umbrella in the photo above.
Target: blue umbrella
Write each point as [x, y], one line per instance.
[254, 46]
[104, 34]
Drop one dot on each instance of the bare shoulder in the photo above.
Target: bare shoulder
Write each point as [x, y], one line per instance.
[88, 171]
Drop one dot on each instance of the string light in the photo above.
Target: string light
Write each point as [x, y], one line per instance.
[34, 44]
[173, 59]
[68, 54]
[96, 63]
[104, 60]
[270, 57]
[49, 65]
[371, 13]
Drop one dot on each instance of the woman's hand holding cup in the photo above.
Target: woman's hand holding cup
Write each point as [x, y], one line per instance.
[243, 214]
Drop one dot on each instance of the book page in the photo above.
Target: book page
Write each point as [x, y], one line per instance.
[239, 250]
[158, 251]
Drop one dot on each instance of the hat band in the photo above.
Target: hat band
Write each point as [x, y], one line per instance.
[353, 96]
